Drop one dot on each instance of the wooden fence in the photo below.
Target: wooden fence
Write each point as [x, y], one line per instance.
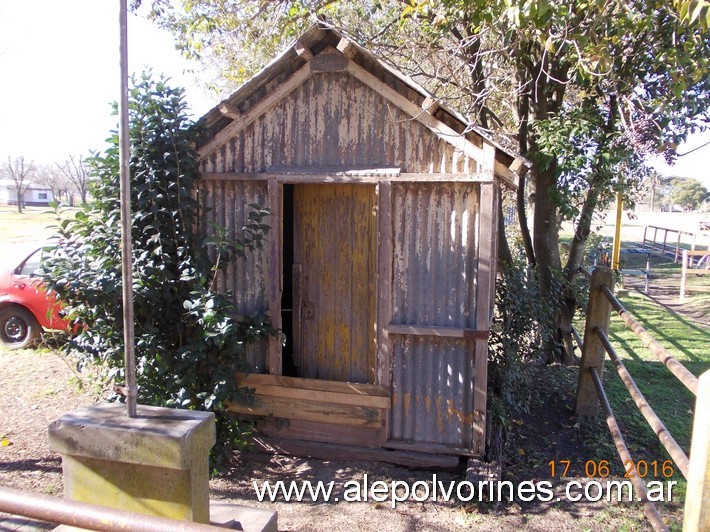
[686, 264]
[590, 394]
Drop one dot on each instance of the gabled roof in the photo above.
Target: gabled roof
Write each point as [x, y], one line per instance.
[287, 71]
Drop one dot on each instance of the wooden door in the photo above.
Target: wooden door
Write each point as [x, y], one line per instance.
[334, 282]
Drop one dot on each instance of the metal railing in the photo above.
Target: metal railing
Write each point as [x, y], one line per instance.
[666, 230]
[89, 516]
[591, 393]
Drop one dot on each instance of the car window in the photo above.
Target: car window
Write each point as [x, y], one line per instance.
[31, 264]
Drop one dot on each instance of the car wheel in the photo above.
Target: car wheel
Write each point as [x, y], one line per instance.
[18, 328]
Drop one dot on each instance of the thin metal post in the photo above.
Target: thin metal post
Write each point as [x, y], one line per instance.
[126, 244]
[683, 275]
[648, 271]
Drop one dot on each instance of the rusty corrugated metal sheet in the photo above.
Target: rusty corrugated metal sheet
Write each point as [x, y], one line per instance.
[434, 266]
[335, 120]
[432, 391]
[227, 205]
[434, 253]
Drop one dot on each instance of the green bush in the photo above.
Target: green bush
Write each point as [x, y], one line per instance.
[187, 345]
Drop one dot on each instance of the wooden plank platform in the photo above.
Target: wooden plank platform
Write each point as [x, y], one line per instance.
[315, 410]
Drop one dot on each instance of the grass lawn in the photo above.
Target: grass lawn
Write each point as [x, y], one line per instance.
[32, 225]
[671, 400]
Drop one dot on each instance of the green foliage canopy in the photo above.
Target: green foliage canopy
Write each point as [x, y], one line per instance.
[187, 345]
[688, 193]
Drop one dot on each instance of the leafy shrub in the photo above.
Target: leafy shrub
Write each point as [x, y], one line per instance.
[187, 345]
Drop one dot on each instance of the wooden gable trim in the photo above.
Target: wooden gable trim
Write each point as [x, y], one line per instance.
[441, 130]
[424, 116]
[248, 117]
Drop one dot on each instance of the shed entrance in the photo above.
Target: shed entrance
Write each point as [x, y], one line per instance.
[333, 249]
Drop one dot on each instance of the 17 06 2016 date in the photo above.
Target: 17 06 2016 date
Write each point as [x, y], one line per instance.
[600, 468]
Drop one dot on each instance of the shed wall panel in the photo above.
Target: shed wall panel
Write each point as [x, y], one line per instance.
[433, 284]
[435, 254]
[336, 120]
[226, 204]
[432, 391]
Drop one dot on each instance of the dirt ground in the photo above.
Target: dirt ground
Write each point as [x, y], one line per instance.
[37, 386]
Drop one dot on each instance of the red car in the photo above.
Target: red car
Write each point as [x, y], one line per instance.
[25, 306]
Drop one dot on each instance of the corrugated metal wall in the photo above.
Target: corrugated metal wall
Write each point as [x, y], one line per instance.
[227, 205]
[332, 120]
[435, 228]
[335, 120]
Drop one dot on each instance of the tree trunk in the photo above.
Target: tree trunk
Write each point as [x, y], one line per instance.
[19, 201]
[568, 303]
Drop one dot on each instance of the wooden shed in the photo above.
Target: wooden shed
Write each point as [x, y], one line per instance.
[380, 266]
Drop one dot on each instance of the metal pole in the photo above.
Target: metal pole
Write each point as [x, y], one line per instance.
[89, 516]
[126, 244]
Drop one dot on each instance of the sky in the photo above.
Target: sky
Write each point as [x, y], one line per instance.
[60, 72]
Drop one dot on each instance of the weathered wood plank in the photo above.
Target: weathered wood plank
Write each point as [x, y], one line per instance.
[384, 282]
[485, 293]
[323, 412]
[434, 448]
[304, 175]
[255, 112]
[316, 385]
[274, 358]
[326, 451]
[436, 330]
[301, 394]
[299, 429]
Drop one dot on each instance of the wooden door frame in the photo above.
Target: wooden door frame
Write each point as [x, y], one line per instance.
[382, 281]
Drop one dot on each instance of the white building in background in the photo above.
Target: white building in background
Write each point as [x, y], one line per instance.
[35, 195]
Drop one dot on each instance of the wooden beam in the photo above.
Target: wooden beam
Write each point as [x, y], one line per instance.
[430, 105]
[303, 51]
[343, 177]
[315, 385]
[697, 498]
[436, 330]
[298, 394]
[298, 429]
[434, 448]
[320, 411]
[593, 354]
[330, 451]
[229, 110]
[347, 48]
[384, 281]
[274, 360]
[261, 107]
[485, 293]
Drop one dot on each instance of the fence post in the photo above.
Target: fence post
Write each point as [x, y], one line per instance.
[683, 274]
[696, 515]
[593, 353]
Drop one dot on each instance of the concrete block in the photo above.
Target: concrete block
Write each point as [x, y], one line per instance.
[155, 463]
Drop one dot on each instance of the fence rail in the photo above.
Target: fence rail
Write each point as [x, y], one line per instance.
[590, 394]
[667, 230]
[686, 264]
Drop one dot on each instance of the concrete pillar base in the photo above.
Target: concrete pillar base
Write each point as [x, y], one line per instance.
[155, 463]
